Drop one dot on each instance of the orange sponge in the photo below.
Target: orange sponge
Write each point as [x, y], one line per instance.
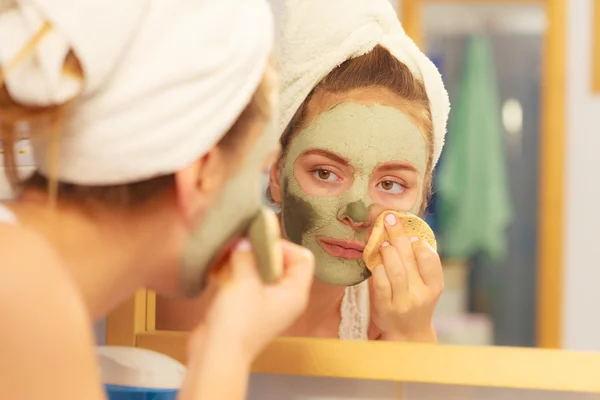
[413, 225]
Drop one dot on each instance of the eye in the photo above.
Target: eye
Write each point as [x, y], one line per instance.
[390, 187]
[325, 175]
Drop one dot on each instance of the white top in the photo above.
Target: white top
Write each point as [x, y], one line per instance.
[7, 216]
[356, 313]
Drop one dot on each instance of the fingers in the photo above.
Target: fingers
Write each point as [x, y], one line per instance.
[382, 288]
[402, 243]
[211, 289]
[291, 293]
[243, 262]
[430, 266]
[394, 270]
[298, 264]
[294, 255]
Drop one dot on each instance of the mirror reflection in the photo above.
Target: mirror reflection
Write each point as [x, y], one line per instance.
[414, 239]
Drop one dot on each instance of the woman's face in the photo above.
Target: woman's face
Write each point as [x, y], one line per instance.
[358, 156]
[228, 216]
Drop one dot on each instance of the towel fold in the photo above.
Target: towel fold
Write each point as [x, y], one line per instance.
[318, 35]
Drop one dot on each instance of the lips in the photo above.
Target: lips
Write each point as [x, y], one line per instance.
[351, 250]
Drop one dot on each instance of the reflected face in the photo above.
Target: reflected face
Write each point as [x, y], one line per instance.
[351, 163]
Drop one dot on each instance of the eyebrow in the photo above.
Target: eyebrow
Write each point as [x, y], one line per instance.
[396, 166]
[328, 154]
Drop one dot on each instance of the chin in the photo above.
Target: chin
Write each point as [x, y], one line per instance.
[341, 272]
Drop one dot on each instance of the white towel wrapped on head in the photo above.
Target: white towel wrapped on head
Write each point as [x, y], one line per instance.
[319, 35]
[163, 79]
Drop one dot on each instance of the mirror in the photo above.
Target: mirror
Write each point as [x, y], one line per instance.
[500, 253]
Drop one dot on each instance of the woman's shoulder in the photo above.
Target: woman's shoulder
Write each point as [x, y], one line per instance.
[31, 268]
[33, 275]
[44, 322]
[24, 254]
[17, 241]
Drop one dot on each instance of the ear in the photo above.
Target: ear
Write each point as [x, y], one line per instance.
[198, 184]
[274, 185]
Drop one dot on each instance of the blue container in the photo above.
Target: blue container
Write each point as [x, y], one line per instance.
[130, 373]
[115, 392]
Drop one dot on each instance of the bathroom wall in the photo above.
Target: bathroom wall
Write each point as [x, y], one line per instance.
[581, 327]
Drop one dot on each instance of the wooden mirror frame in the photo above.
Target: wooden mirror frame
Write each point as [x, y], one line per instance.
[133, 323]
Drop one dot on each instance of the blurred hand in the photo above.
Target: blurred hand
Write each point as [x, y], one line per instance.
[248, 314]
[406, 288]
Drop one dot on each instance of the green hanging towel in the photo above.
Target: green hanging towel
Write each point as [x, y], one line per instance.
[473, 195]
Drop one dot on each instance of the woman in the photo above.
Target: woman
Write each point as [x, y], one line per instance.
[363, 115]
[140, 115]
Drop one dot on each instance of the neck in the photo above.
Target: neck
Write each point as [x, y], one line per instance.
[105, 253]
[322, 315]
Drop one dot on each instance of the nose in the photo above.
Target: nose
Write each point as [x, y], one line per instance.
[356, 215]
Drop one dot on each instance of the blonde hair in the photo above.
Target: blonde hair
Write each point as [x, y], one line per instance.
[378, 68]
[48, 121]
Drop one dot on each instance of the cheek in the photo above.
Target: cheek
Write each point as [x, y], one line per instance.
[298, 215]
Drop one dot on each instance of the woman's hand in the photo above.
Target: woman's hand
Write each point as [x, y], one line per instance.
[406, 288]
[243, 313]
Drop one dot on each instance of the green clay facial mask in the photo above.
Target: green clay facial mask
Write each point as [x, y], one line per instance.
[366, 136]
[238, 204]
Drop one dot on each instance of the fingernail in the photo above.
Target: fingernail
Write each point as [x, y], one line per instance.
[390, 219]
[307, 252]
[414, 239]
[385, 244]
[243, 245]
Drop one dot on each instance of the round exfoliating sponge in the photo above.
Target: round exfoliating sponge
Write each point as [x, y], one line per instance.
[265, 235]
[413, 225]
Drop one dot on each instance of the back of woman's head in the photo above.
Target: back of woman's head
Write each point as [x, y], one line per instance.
[47, 121]
[130, 104]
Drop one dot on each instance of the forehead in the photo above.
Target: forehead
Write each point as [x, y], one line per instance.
[365, 134]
